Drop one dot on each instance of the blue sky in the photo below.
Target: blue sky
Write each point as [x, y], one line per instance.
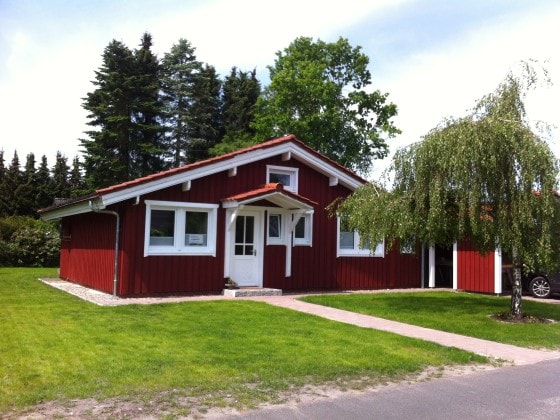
[434, 58]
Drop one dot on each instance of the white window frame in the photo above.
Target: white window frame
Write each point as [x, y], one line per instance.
[284, 170]
[307, 240]
[378, 252]
[179, 247]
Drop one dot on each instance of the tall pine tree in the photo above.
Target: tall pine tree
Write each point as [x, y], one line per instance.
[180, 70]
[240, 92]
[14, 178]
[107, 155]
[3, 186]
[147, 111]
[125, 110]
[44, 185]
[61, 186]
[26, 190]
[205, 129]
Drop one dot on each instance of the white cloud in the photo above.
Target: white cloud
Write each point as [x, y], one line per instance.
[447, 81]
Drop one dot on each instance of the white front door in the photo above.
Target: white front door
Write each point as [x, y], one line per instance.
[245, 249]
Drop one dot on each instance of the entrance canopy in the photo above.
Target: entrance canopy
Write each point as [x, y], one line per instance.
[273, 193]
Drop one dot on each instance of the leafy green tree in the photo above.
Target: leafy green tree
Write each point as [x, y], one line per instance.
[240, 92]
[320, 92]
[180, 69]
[486, 177]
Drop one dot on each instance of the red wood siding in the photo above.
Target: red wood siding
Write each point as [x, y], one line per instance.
[88, 250]
[88, 258]
[475, 272]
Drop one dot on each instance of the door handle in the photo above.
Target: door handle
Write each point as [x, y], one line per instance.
[254, 252]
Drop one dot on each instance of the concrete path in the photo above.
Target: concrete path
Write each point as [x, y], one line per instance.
[506, 352]
[517, 355]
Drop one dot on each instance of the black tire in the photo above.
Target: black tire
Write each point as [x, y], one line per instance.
[540, 287]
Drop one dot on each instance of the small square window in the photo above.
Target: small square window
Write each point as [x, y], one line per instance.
[162, 228]
[288, 177]
[196, 228]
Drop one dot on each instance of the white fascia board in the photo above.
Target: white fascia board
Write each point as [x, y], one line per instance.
[236, 161]
[78, 208]
[326, 169]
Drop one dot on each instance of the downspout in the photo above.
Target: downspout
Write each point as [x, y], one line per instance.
[117, 235]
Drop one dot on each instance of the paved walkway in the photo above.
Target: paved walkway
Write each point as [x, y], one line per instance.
[507, 352]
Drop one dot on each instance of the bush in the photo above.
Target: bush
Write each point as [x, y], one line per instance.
[26, 242]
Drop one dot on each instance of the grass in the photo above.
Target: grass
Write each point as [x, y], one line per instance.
[54, 346]
[461, 313]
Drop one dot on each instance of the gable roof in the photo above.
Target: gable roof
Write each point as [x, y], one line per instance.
[288, 146]
[274, 193]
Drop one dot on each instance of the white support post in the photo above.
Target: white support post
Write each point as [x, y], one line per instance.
[432, 267]
[455, 266]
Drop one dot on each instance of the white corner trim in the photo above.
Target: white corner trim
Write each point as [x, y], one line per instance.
[455, 266]
[498, 271]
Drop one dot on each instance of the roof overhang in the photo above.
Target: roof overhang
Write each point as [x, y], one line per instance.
[293, 149]
[273, 193]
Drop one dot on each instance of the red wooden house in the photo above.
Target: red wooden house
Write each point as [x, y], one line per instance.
[256, 216]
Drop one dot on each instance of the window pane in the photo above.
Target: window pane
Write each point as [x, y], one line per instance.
[238, 249]
[196, 228]
[249, 229]
[240, 230]
[274, 225]
[346, 240]
[300, 228]
[162, 227]
[284, 179]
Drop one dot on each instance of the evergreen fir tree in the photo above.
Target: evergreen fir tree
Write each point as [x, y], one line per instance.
[206, 124]
[14, 178]
[108, 152]
[239, 95]
[61, 186]
[126, 110]
[44, 185]
[180, 70]
[25, 192]
[146, 112]
[3, 187]
[77, 185]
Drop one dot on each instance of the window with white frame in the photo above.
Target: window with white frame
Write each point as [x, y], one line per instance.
[303, 230]
[288, 177]
[348, 244]
[275, 229]
[177, 228]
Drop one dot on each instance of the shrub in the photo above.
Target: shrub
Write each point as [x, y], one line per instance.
[31, 243]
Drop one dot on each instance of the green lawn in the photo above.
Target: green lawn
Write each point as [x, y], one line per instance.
[461, 313]
[54, 346]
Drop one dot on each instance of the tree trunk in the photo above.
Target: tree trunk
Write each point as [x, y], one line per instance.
[516, 290]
